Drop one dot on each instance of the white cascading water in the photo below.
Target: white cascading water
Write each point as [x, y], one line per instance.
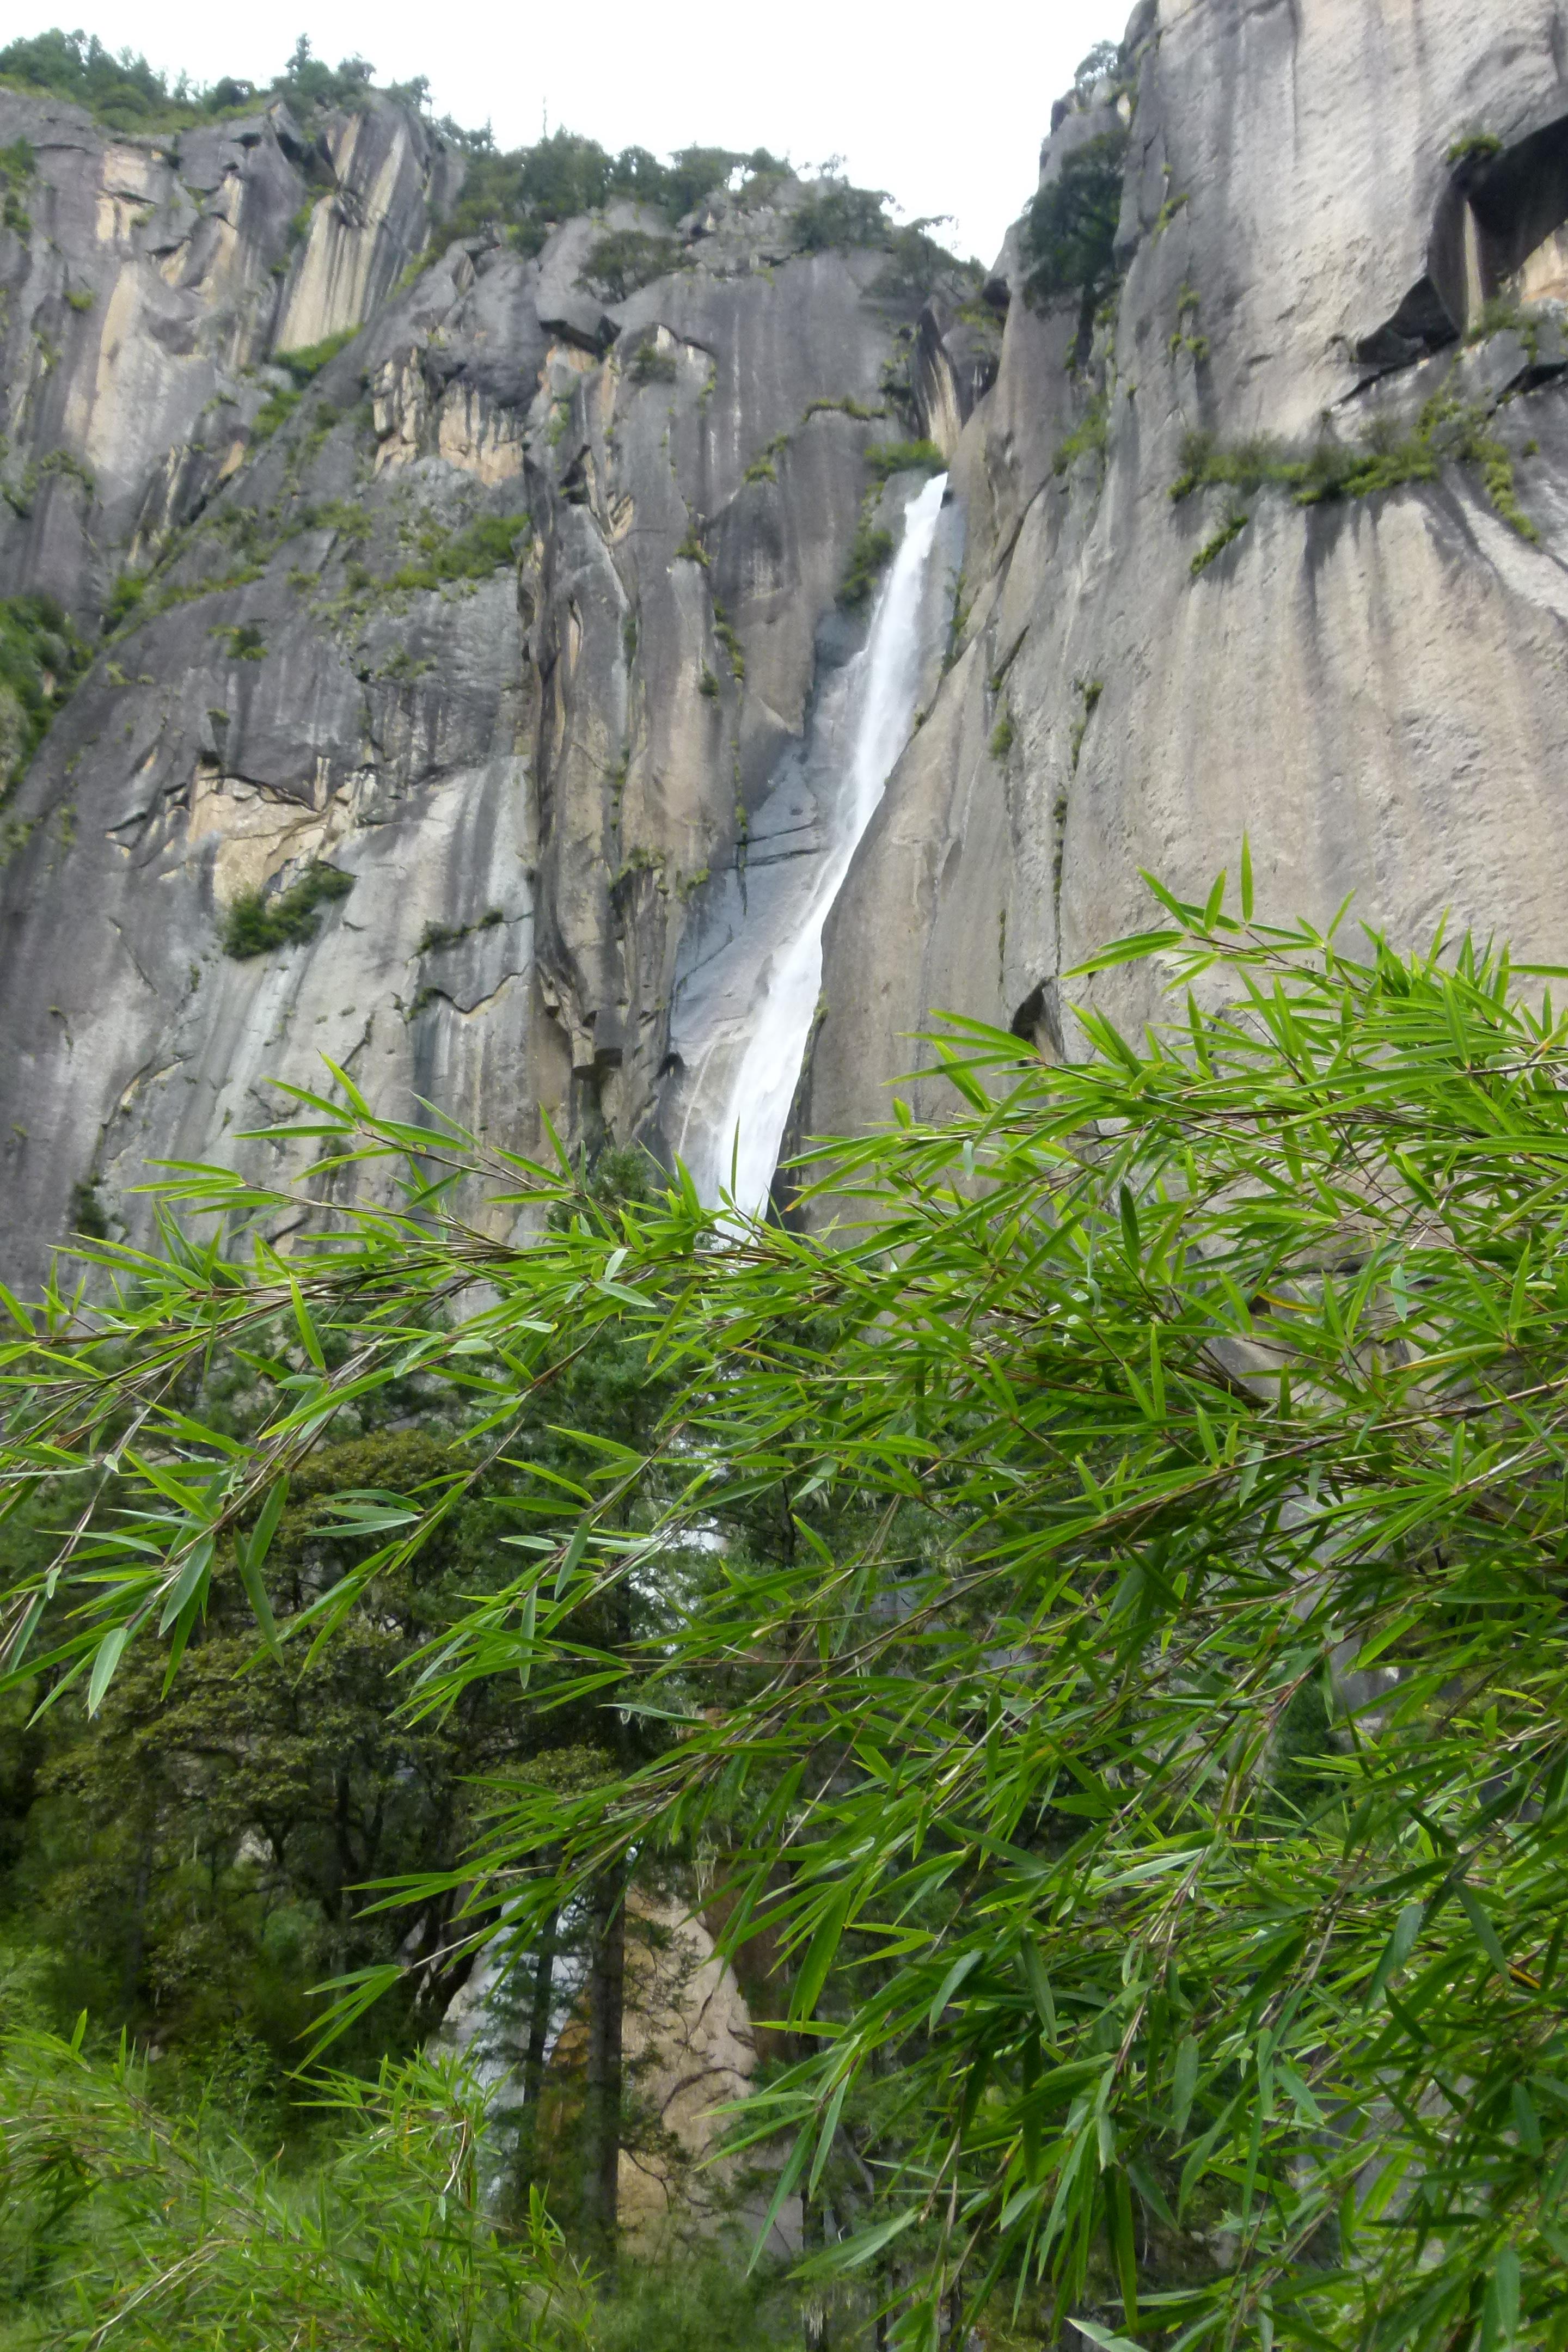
[751, 1127]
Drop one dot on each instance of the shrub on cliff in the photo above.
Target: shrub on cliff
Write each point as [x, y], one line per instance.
[619, 264]
[1127, 1694]
[1069, 232]
[838, 215]
[41, 658]
[256, 923]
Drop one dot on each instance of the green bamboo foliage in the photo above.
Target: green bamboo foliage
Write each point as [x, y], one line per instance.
[1101, 1613]
[162, 2230]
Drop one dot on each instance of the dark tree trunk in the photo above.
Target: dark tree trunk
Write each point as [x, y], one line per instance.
[814, 2310]
[606, 2005]
[136, 1942]
[538, 2013]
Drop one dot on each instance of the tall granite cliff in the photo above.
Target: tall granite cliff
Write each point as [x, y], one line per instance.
[1338, 316]
[495, 602]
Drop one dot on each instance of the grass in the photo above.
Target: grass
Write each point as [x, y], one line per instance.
[730, 641]
[847, 405]
[1448, 431]
[435, 936]
[17, 166]
[619, 264]
[1090, 690]
[885, 457]
[256, 924]
[1090, 437]
[648, 365]
[868, 552]
[274, 410]
[241, 640]
[1185, 336]
[1505, 316]
[307, 362]
[1477, 147]
[1232, 527]
[473, 554]
[1001, 736]
[41, 658]
[692, 549]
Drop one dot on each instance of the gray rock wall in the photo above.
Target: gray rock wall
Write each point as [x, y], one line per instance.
[154, 280]
[510, 619]
[1373, 687]
[522, 616]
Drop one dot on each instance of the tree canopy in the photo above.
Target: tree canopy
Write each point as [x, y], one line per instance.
[1069, 231]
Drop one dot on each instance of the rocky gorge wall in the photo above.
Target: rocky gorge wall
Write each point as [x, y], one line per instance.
[522, 610]
[1335, 219]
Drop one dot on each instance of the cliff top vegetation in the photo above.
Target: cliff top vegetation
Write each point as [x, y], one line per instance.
[122, 92]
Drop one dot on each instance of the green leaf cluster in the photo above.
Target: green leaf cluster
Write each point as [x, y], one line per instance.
[17, 167]
[1447, 431]
[617, 265]
[311, 358]
[1110, 1662]
[120, 88]
[480, 548]
[122, 2218]
[41, 657]
[836, 215]
[869, 551]
[1069, 231]
[885, 457]
[524, 192]
[256, 923]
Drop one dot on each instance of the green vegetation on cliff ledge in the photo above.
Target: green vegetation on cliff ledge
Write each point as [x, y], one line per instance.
[40, 657]
[305, 364]
[523, 193]
[1169, 1758]
[125, 93]
[868, 552]
[1477, 147]
[17, 166]
[885, 457]
[1448, 431]
[619, 264]
[1091, 437]
[256, 923]
[481, 547]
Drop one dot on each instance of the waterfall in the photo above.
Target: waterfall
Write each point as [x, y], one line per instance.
[759, 1080]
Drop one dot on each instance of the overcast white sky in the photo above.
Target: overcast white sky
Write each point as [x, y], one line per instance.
[950, 121]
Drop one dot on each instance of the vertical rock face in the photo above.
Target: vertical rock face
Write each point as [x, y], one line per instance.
[143, 280]
[519, 610]
[1329, 216]
[508, 612]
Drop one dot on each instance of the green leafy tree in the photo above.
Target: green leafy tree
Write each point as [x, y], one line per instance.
[619, 264]
[119, 87]
[1124, 1697]
[838, 215]
[1069, 232]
